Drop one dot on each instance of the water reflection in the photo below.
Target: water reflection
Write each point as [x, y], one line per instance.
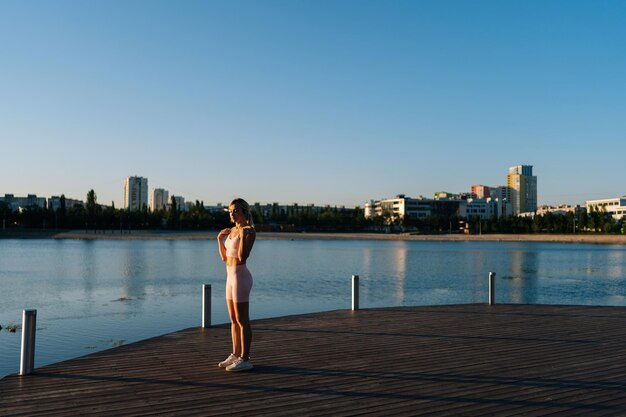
[90, 270]
[480, 263]
[135, 261]
[366, 271]
[522, 277]
[399, 263]
[615, 264]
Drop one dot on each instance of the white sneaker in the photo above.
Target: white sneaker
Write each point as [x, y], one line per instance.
[228, 361]
[240, 365]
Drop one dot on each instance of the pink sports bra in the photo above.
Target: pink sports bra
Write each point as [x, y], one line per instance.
[232, 246]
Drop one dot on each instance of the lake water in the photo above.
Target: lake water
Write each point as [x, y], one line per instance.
[93, 295]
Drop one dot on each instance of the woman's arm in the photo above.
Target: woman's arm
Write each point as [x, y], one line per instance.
[220, 243]
[248, 235]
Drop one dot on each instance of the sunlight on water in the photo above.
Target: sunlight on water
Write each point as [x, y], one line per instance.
[94, 295]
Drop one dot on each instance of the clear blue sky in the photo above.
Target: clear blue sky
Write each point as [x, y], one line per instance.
[326, 102]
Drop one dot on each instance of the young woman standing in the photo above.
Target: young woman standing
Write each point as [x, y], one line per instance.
[235, 245]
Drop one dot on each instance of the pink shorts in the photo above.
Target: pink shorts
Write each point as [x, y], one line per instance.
[238, 283]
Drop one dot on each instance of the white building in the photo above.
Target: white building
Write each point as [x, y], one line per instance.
[135, 193]
[616, 207]
[484, 208]
[16, 203]
[159, 199]
[369, 209]
[402, 206]
[420, 208]
[561, 209]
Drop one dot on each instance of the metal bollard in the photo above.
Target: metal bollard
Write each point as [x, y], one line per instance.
[355, 292]
[492, 288]
[29, 327]
[206, 305]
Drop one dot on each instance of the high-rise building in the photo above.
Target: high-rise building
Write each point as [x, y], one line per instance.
[135, 193]
[159, 199]
[523, 186]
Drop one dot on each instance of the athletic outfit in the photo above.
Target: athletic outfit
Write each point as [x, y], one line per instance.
[238, 277]
[238, 286]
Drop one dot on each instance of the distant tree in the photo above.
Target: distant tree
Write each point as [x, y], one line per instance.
[609, 224]
[92, 207]
[173, 216]
[582, 221]
[91, 200]
[61, 213]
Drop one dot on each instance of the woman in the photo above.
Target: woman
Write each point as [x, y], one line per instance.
[234, 250]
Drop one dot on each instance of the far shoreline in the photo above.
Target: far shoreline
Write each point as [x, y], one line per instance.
[212, 234]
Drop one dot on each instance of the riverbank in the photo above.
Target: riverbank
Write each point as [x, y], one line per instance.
[204, 235]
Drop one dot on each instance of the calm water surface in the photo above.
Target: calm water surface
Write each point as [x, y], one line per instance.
[93, 295]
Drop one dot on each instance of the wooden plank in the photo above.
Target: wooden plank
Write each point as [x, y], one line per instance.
[434, 360]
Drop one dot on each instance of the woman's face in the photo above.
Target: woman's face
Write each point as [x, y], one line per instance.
[236, 214]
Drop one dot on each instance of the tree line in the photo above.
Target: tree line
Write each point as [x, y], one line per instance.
[96, 217]
[93, 216]
[295, 218]
[580, 222]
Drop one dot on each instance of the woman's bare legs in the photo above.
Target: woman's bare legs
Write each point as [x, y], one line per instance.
[245, 330]
[235, 328]
[240, 329]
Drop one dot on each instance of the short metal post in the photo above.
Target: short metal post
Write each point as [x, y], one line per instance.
[492, 288]
[355, 292]
[29, 326]
[206, 305]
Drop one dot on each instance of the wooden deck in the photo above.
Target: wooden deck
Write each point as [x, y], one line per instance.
[465, 360]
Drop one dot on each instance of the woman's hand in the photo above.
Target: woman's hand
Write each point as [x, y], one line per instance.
[222, 233]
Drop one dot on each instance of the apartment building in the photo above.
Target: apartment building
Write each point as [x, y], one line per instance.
[135, 193]
[17, 203]
[159, 199]
[180, 203]
[484, 208]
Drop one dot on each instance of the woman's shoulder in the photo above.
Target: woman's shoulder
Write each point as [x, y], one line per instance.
[248, 230]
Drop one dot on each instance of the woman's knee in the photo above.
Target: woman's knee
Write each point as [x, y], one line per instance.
[242, 321]
[241, 313]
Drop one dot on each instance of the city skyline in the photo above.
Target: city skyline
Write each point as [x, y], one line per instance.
[149, 192]
[312, 102]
